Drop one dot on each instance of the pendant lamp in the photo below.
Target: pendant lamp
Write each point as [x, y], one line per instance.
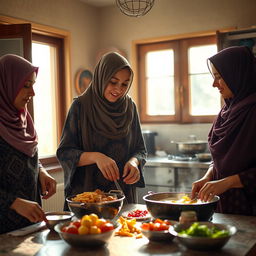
[135, 8]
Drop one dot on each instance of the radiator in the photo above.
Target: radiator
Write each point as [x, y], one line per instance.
[56, 202]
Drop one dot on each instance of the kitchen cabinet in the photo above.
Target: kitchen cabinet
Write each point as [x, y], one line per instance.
[236, 38]
[157, 179]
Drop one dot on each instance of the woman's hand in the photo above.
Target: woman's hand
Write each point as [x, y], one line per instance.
[48, 184]
[28, 209]
[197, 185]
[131, 172]
[107, 166]
[217, 187]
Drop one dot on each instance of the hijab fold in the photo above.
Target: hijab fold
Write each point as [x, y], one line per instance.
[110, 119]
[232, 130]
[16, 127]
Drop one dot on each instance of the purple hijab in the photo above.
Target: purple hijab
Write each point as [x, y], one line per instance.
[16, 127]
[232, 139]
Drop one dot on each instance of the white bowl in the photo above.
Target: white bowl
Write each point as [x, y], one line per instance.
[57, 217]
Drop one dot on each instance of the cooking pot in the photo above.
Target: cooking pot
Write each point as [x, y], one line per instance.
[192, 146]
[159, 208]
[149, 139]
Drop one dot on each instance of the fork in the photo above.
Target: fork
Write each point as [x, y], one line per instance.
[120, 189]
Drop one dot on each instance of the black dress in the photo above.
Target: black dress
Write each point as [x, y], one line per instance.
[19, 178]
[89, 178]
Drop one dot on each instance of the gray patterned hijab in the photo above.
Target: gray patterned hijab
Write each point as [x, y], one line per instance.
[111, 120]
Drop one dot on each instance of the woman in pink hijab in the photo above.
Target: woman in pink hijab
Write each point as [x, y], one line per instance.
[23, 179]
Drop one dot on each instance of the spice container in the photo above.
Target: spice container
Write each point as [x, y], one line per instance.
[187, 217]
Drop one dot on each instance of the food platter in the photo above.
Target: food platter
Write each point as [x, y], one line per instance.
[132, 214]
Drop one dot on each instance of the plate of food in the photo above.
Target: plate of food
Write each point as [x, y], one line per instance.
[138, 214]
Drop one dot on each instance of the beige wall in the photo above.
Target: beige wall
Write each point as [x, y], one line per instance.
[74, 16]
[174, 17]
[94, 29]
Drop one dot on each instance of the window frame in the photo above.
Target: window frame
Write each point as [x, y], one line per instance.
[143, 49]
[40, 31]
[60, 92]
[182, 89]
[185, 44]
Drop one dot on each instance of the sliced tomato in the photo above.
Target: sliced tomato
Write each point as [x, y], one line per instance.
[77, 223]
[72, 229]
[167, 222]
[163, 226]
[145, 226]
[158, 221]
[106, 227]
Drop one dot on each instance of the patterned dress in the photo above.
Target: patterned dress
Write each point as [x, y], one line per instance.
[19, 178]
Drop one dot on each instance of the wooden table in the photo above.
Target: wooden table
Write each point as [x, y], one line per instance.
[48, 243]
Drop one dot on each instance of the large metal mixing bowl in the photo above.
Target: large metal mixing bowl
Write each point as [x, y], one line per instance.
[168, 210]
[106, 210]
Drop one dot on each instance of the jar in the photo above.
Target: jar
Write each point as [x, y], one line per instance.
[187, 217]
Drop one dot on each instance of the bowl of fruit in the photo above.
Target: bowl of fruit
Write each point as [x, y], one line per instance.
[88, 231]
[158, 230]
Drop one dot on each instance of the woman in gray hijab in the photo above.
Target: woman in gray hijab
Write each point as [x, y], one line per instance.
[102, 140]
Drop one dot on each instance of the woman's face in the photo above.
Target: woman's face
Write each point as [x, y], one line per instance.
[221, 84]
[118, 85]
[25, 93]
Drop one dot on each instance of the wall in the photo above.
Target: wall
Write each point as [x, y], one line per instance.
[74, 16]
[174, 17]
[94, 29]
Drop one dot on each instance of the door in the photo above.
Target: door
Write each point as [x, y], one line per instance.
[17, 39]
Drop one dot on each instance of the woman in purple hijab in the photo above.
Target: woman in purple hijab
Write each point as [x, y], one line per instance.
[232, 138]
[23, 179]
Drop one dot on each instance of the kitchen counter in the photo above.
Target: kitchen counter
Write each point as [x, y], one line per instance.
[157, 161]
[46, 243]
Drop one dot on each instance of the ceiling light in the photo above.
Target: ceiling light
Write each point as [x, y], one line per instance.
[135, 8]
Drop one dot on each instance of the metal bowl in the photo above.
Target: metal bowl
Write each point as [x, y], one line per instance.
[159, 236]
[57, 217]
[202, 243]
[106, 210]
[167, 210]
[204, 157]
[90, 240]
[191, 147]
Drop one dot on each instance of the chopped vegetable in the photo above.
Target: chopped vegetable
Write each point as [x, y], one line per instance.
[128, 228]
[156, 225]
[137, 213]
[204, 231]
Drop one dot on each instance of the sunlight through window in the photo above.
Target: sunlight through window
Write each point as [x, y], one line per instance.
[44, 102]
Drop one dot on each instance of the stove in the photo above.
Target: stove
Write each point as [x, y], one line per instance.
[182, 157]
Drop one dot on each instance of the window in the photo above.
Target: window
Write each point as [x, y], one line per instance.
[174, 82]
[44, 56]
[48, 101]
[51, 48]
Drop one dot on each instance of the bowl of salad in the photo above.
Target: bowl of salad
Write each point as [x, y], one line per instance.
[203, 235]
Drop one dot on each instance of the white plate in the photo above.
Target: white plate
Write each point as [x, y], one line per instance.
[146, 217]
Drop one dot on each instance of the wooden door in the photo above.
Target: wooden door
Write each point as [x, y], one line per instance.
[17, 39]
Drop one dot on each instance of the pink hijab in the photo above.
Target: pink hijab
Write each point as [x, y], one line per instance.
[16, 127]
